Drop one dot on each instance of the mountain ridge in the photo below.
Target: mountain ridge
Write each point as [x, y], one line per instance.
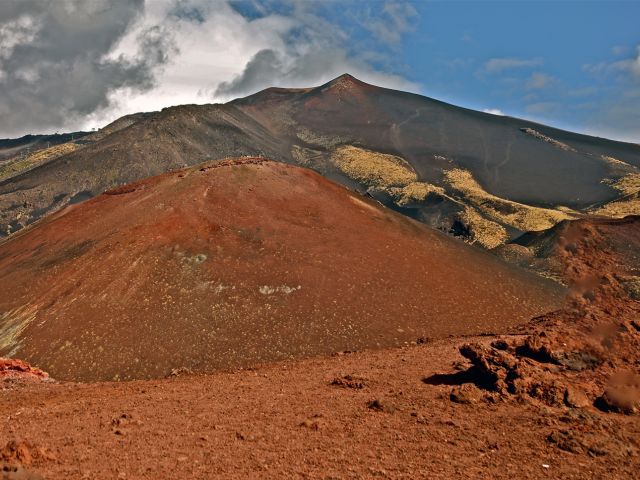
[520, 166]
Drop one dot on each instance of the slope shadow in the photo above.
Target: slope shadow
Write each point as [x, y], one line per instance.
[473, 375]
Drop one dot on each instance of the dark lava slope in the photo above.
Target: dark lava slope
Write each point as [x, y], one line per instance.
[232, 263]
[511, 159]
[507, 161]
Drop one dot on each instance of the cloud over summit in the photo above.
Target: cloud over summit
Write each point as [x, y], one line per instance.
[67, 64]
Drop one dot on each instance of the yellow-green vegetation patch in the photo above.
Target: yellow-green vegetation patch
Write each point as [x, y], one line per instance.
[619, 208]
[384, 172]
[415, 192]
[374, 169]
[19, 164]
[12, 324]
[567, 210]
[628, 185]
[545, 138]
[313, 138]
[518, 215]
[616, 167]
[614, 161]
[487, 233]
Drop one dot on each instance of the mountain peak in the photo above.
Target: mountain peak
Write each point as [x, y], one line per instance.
[345, 82]
[346, 76]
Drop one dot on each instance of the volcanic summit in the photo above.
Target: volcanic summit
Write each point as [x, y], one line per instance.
[482, 177]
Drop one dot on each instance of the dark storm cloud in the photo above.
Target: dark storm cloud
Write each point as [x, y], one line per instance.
[263, 69]
[53, 59]
[317, 49]
[70, 64]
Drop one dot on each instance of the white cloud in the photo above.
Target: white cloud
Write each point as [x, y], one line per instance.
[293, 69]
[224, 55]
[494, 111]
[498, 65]
[391, 23]
[634, 63]
[90, 63]
[620, 50]
[618, 114]
[627, 65]
[539, 81]
[208, 52]
[541, 108]
[317, 53]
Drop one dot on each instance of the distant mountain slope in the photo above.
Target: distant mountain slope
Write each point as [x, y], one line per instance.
[484, 177]
[232, 263]
[9, 147]
[36, 151]
[507, 161]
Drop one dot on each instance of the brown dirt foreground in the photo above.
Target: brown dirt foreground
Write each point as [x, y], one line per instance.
[361, 415]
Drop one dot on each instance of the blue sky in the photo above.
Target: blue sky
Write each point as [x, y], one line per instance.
[559, 60]
[68, 65]
[571, 64]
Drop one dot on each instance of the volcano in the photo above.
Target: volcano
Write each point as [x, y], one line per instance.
[483, 177]
[233, 263]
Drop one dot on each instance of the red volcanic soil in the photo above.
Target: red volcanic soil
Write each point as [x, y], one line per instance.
[362, 415]
[229, 264]
[576, 250]
[555, 401]
[19, 370]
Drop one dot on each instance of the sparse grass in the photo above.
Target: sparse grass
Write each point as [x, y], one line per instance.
[629, 185]
[619, 208]
[545, 138]
[617, 168]
[388, 173]
[18, 164]
[614, 161]
[487, 233]
[483, 213]
[415, 192]
[12, 324]
[374, 169]
[313, 138]
[518, 215]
